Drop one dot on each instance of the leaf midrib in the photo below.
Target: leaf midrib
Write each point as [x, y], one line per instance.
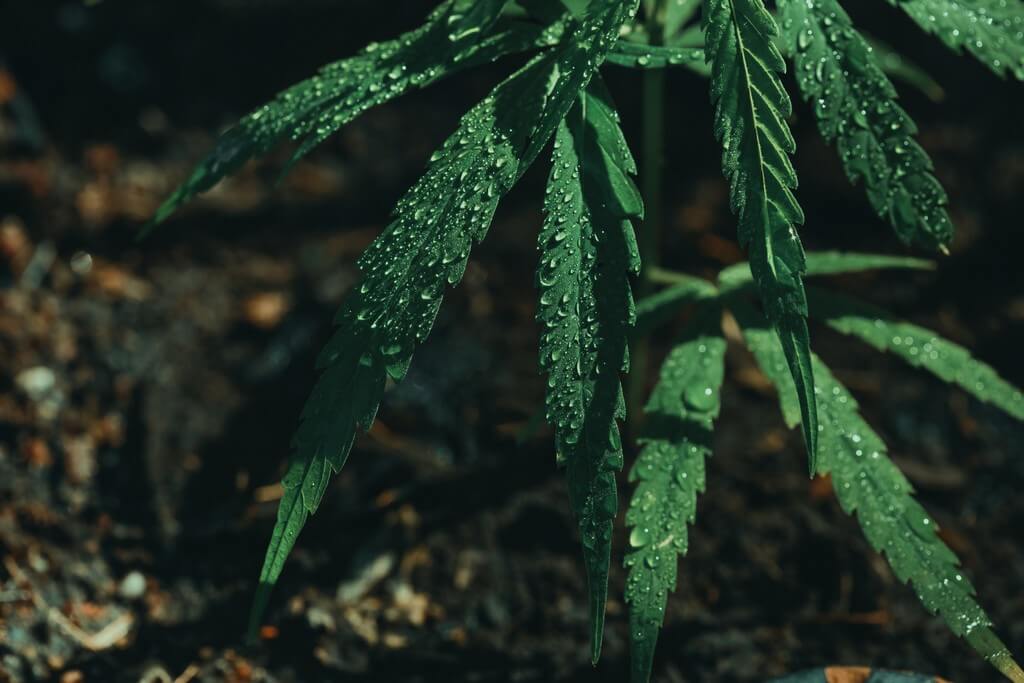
[769, 248]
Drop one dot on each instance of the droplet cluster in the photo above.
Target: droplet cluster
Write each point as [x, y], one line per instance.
[919, 347]
[454, 38]
[868, 484]
[670, 472]
[751, 106]
[587, 251]
[855, 105]
[643, 56]
[991, 30]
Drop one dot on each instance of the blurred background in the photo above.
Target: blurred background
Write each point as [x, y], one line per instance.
[148, 390]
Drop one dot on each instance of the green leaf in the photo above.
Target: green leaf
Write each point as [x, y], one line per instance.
[836, 262]
[902, 68]
[991, 30]
[678, 13]
[855, 105]
[314, 109]
[670, 474]
[587, 252]
[655, 309]
[829, 263]
[423, 250]
[642, 56]
[919, 347]
[868, 484]
[750, 110]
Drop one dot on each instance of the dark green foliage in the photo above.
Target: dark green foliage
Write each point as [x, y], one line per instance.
[659, 307]
[587, 252]
[640, 56]
[855, 105]
[423, 250]
[865, 480]
[868, 484]
[918, 346]
[311, 111]
[588, 255]
[828, 263]
[670, 474]
[750, 110]
[991, 30]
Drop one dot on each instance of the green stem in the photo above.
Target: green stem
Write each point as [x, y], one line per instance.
[664, 276]
[651, 178]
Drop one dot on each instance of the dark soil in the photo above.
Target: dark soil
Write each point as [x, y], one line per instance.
[148, 390]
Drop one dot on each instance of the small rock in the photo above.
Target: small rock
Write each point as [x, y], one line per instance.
[36, 382]
[81, 263]
[321, 618]
[265, 310]
[80, 464]
[366, 578]
[133, 586]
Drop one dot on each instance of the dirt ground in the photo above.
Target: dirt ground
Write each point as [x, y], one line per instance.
[148, 390]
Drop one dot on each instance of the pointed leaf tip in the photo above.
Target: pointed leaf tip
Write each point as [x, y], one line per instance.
[995, 652]
[751, 108]
[597, 633]
[876, 144]
[1009, 668]
[669, 474]
[643, 639]
[867, 483]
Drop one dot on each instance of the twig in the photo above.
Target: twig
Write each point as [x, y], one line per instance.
[104, 639]
[188, 674]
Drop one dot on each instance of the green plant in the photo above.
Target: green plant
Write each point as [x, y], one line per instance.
[588, 254]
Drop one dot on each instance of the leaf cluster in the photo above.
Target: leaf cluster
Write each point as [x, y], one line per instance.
[554, 97]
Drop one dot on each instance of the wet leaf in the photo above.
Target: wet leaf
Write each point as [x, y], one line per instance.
[869, 485]
[919, 347]
[669, 473]
[855, 106]
[750, 110]
[587, 252]
[641, 56]
[830, 263]
[991, 30]
[424, 250]
[458, 35]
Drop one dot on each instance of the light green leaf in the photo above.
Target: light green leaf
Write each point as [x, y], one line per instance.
[918, 346]
[836, 262]
[458, 35]
[642, 56]
[655, 309]
[991, 30]
[902, 68]
[855, 105]
[868, 484]
[829, 263]
[750, 110]
[670, 474]
[677, 14]
[587, 252]
[423, 250]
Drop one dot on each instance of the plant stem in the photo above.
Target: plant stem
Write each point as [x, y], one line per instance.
[651, 178]
[664, 276]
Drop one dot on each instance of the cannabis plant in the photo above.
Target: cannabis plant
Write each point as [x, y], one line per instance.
[588, 257]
